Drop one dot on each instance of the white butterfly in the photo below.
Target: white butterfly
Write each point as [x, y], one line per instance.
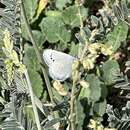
[59, 63]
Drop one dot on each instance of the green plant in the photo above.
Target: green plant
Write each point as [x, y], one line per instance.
[97, 95]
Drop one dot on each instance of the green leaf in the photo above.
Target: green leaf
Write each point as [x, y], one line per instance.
[55, 30]
[109, 69]
[93, 92]
[30, 8]
[61, 3]
[118, 35]
[80, 115]
[100, 107]
[38, 35]
[74, 49]
[36, 81]
[39, 38]
[104, 91]
[85, 93]
[71, 15]
[61, 46]
[53, 13]
[30, 59]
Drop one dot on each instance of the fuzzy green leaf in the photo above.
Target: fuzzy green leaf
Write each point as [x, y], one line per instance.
[55, 30]
[53, 13]
[93, 92]
[100, 107]
[74, 49]
[39, 37]
[80, 115]
[30, 8]
[109, 69]
[61, 3]
[71, 15]
[117, 36]
[30, 59]
[36, 81]
[33, 66]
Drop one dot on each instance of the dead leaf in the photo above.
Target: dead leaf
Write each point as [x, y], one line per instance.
[42, 4]
[60, 88]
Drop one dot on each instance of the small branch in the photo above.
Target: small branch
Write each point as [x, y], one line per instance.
[81, 27]
[37, 53]
[72, 109]
[73, 95]
[81, 51]
[33, 101]
[84, 51]
[80, 17]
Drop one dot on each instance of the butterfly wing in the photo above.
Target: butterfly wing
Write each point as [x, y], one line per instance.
[60, 64]
[60, 70]
[50, 56]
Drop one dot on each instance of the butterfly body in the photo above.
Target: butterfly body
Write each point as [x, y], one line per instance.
[59, 63]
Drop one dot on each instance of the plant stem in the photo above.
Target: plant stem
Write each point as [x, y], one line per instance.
[82, 50]
[81, 28]
[72, 109]
[37, 54]
[33, 101]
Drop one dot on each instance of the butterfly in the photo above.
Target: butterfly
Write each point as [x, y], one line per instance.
[59, 64]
